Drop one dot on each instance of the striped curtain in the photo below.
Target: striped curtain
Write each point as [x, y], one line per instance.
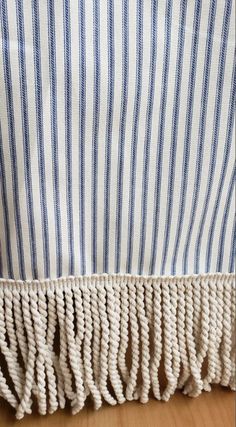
[116, 137]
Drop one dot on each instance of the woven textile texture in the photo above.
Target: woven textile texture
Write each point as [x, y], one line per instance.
[117, 171]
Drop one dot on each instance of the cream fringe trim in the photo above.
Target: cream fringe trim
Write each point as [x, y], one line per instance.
[181, 321]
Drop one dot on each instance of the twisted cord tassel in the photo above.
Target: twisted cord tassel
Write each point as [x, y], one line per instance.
[145, 345]
[87, 347]
[114, 343]
[104, 344]
[157, 338]
[131, 390]
[124, 336]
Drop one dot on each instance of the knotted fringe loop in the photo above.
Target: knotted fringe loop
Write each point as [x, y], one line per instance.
[71, 338]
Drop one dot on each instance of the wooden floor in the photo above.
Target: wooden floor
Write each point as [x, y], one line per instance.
[215, 409]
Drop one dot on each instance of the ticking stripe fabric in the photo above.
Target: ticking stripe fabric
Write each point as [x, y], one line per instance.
[117, 174]
[117, 121]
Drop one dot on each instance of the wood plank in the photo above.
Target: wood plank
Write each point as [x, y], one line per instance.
[215, 409]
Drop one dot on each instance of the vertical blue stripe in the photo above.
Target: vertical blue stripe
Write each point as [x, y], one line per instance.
[221, 246]
[188, 131]
[12, 136]
[122, 129]
[232, 249]
[107, 175]
[54, 132]
[161, 133]
[68, 132]
[134, 142]
[1, 265]
[3, 185]
[96, 115]
[40, 134]
[148, 130]
[225, 163]
[202, 130]
[174, 134]
[82, 117]
[216, 128]
[25, 134]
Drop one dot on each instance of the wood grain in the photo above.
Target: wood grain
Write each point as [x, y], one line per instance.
[215, 409]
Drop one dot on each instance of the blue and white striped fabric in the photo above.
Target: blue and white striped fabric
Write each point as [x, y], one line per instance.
[116, 137]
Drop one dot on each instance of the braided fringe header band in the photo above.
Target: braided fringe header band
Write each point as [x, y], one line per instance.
[184, 322]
